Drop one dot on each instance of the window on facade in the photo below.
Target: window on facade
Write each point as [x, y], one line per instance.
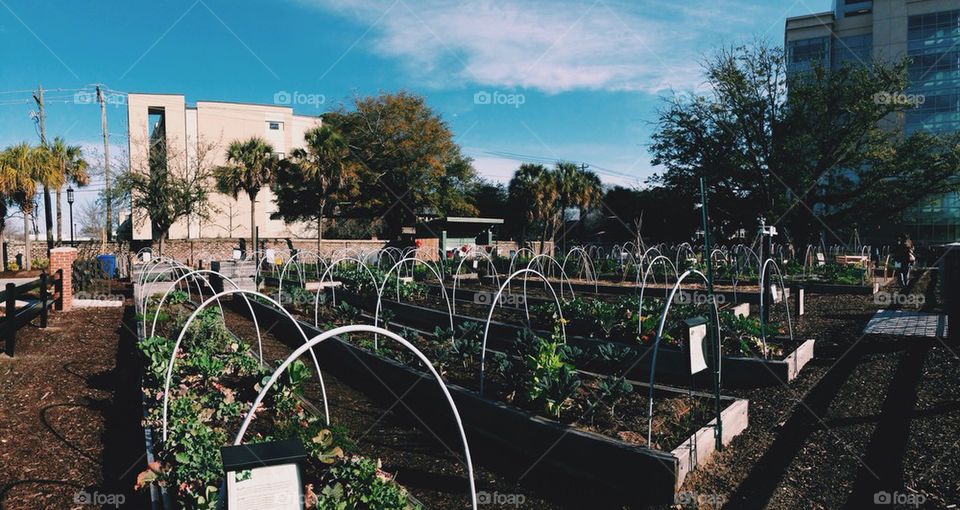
[274, 126]
[854, 49]
[933, 47]
[805, 50]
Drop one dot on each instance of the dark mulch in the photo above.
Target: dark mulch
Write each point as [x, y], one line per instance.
[69, 417]
[870, 414]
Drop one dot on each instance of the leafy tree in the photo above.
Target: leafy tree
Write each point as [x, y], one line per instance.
[251, 165]
[648, 213]
[167, 188]
[408, 157]
[71, 165]
[822, 155]
[314, 177]
[489, 199]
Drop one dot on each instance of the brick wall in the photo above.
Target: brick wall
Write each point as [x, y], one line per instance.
[62, 259]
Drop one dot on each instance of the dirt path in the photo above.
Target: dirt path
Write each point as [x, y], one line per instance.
[70, 433]
[873, 416]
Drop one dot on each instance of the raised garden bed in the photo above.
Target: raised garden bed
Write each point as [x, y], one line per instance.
[502, 434]
[630, 359]
[216, 379]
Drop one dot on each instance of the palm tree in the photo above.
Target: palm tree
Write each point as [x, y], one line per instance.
[250, 166]
[71, 165]
[25, 167]
[576, 187]
[523, 191]
[324, 161]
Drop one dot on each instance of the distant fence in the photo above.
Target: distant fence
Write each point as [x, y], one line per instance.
[23, 303]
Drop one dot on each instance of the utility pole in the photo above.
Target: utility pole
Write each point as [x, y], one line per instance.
[106, 161]
[47, 210]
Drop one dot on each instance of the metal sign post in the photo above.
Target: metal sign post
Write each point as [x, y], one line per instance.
[715, 336]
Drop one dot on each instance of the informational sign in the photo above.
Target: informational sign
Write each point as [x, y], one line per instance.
[264, 488]
[264, 476]
[696, 333]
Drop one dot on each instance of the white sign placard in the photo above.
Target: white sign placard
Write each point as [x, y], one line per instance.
[264, 488]
[697, 362]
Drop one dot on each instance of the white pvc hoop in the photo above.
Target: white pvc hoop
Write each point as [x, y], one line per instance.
[176, 348]
[783, 294]
[383, 286]
[377, 331]
[656, 345]
[486, 329]
[153, 327]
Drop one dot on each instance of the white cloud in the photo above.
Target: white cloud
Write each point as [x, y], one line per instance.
[496, 169]
[553, 46]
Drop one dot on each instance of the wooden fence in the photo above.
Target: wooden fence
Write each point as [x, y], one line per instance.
[35, 299]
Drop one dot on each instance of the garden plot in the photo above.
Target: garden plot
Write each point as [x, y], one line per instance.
[214, 383]
[504, 429]
[609, 340]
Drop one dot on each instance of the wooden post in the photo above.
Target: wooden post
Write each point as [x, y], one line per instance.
[9, 327]
[43, 300]
[798, 305]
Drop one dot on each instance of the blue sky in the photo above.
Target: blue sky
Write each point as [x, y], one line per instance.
[590, 75]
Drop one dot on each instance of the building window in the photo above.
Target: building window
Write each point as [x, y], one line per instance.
[274, 126]
[802, 52]
[933, 49]
[854, 49]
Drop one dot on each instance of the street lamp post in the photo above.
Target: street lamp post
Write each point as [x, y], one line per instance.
[70, 201]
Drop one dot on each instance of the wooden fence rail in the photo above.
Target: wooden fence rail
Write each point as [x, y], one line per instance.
[49, 293]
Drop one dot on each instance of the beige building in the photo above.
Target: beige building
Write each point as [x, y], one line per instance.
[199, 135]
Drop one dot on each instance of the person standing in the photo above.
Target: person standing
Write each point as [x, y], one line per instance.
[905, 257]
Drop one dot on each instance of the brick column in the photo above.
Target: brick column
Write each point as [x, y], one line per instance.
[62, 258]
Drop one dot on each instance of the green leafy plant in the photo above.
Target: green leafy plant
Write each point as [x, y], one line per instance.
[357, 483]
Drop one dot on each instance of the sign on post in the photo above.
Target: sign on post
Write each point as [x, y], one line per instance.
[696, 333]
[264, 476]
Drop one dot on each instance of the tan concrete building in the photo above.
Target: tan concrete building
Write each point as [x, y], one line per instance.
[199, 135]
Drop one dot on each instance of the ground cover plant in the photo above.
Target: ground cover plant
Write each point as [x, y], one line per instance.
[215, 382]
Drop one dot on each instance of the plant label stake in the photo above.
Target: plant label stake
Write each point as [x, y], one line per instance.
[264, 476]
[696, 333]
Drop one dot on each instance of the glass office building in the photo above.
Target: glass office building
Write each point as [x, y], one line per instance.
[927, 32]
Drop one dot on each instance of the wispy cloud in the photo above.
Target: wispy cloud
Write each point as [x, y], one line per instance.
[549, 45]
